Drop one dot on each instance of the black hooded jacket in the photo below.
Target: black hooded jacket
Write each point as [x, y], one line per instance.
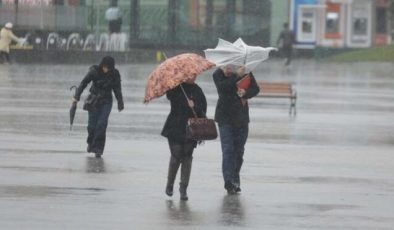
[229, 108]
[102, 84]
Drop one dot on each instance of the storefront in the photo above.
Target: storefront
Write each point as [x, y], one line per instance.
[359, 26]
[304, 22]
[340, 23]
[334, 23]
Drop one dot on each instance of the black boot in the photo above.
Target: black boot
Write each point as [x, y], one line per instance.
[172, 171]
[183, 191]
[230, 187]
[186, 169]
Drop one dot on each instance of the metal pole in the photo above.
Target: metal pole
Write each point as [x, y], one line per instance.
[42, 15]
[209, 17]
[91, 16]
[16, 11]
[97, 19]
[230, 16]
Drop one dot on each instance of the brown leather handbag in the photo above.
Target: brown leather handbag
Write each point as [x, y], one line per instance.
[200, 128]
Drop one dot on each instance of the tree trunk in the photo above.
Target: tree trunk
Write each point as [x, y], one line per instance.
[209, 14]
[16, 11]
[134, 20]
[172, 10]
[230, 17]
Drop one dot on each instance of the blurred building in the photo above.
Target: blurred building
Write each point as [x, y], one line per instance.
[340, 23]
[49, 15]
[148, 22]
[328, 23]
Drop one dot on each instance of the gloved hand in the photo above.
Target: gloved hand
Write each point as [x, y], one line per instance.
[120, 106]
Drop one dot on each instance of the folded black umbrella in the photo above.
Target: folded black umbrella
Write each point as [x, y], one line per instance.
[73, 109]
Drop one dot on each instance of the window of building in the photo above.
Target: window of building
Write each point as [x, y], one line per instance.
[307, 22]
[381, 20]
[360, 26]
[332, 22]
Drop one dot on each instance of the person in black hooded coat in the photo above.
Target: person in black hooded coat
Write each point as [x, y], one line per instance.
[105, 80]
[232, 116]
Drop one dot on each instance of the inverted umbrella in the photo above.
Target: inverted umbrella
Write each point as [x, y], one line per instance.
[226, 53]
[73, 109]
[238, 53]
[173, 72]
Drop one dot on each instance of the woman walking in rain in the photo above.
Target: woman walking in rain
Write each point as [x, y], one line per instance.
[174, 129]
[105, 79]
[232, 116]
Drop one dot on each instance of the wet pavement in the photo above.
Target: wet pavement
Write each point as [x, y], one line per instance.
[330, 167]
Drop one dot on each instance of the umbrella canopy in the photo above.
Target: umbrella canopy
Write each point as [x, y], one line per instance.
[238, 53]
[173, 72]
[73, 109]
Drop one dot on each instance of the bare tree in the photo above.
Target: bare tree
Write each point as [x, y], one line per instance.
[134, 19]
[172, 11]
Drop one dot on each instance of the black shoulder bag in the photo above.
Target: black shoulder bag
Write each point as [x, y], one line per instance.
[90, 102]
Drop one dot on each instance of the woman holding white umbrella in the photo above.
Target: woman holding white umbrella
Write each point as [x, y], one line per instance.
[232, 116]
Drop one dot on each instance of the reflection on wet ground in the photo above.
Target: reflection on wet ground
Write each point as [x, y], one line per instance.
[43, 191]
[179, 213]
[330, 167]
[233, 213]
[95, 165]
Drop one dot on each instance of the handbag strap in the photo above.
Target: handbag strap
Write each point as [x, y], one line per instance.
[187, 98]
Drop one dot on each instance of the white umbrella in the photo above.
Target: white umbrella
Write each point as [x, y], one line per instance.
[237, 53]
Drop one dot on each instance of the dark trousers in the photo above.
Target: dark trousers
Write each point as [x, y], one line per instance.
[97, 128]
[4, 57]
[288, 53]
[233, 140]
[181, 155]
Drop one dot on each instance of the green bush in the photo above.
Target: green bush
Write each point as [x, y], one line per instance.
[382, 54]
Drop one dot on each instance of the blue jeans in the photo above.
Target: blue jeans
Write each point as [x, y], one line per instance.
[97, 128]
[233, 141]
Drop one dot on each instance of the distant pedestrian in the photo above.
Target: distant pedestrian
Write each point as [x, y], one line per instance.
[6, 38]
[114, 17]
[174, 129]
[105, 78]
[287, 38]
[232, 116]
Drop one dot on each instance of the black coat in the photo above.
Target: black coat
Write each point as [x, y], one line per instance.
[103, 85]
[287, 37]
[229, 108]
[175, 126]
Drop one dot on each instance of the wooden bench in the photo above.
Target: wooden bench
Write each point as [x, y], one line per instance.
[279, 90]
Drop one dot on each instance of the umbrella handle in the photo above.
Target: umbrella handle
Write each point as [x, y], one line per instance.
[74, 87]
